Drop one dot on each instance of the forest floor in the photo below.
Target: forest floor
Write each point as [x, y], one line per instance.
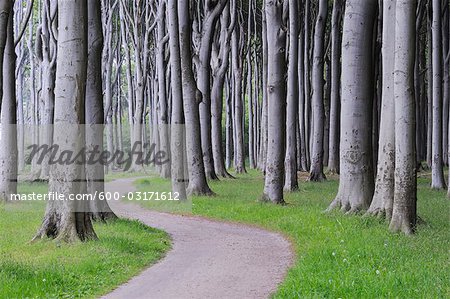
[46, 269]
[209, 259]
[338, 256]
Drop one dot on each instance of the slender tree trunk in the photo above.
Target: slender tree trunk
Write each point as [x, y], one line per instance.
[178, 137]
[8, 150]
[276, 92]
[95, 175]
[191, 99]
[229, 133]
[405, 196]
[446, 80]
[303, 165]
[221, 64]
[5, 10]
[430, 89]
[356, 185]
[335, 101]
[238, 101]
[384, 186]
[204, 83]
[291, 182]
[48, 68]
[66, 220]
[437, 176]
[307, 82]
[264, 113]
[318, 84]
[164, 138]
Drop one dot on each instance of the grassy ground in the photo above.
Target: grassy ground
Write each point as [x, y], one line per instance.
[49, 270]
[341, 256]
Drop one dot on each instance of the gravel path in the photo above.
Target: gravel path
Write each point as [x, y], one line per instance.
[208, 259]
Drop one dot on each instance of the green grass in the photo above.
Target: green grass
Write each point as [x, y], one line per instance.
[46, 269]
[342, 256]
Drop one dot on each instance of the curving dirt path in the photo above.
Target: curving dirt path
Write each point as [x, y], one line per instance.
[208, 259]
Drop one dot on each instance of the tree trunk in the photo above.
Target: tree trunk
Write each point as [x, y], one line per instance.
[405, 195]
[238, 100]
[384, 186]
[307, 83]
[221, 64]
[48, 66]
[430, 89]
[95, 175]
[191, 99]
[276, 92]
[212, 13]
[177, 136]
[68, 220]
[356, 185]
[8, 150]
[335, 101]
[5, 10]
[446, 79]
[437, 169]
[229, 133]
[164, 138]
[316, 173]
[264, 112]
[291, 182]
[303, 165]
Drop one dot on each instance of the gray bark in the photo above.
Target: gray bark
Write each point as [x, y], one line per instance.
[264, 112]
[48, 67]
[178, 141]
[437, 169]
[384, 186]
[318, 83]
[62, 221]
[335, 101]
[95, 175]
[405, 196]
[220, 64]
[291, 181]
[356, 185]
[212, 13]
[430, 90]
[163, 111]
[108, 62]
[303, 165]
[5, 10]
[307, 82]
[446, 80]
[237, 74]
[8, 150]
[191, 99]
[276, 92]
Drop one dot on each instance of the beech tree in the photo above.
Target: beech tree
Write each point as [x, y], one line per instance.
[318, 83]
[94, 111]
[217, 84]
[192, 97]
[291, 182]
[276, 93]
[177, 142]
[8, 150]
[437, 177]
[383, 198]
[404, 206]
[356, 184]
[67, 220]
[335, 101]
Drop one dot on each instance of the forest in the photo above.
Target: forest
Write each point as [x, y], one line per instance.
[248, 111]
